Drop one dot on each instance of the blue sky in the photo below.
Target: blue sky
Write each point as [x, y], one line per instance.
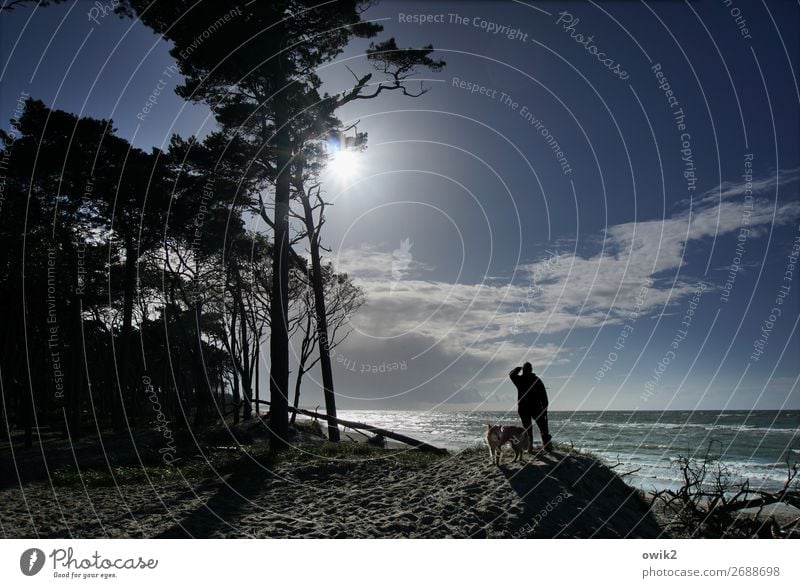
[477, 250]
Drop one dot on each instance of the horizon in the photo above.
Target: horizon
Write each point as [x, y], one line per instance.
[610, 410]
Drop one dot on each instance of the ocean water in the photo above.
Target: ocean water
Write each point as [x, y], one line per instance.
[752, 444]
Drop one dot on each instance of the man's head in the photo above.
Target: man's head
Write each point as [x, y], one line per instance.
[527, 368]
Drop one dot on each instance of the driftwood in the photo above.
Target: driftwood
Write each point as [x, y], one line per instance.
[623, 474]
[709, 500]
[415, 443]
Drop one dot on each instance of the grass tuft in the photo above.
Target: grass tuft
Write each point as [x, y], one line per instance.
[214, 465]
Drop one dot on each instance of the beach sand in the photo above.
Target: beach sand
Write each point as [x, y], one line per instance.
[380, 493]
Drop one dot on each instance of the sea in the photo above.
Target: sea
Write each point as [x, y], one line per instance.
[752, 445]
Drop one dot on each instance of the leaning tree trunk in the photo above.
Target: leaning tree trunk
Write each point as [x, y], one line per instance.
[324, 344]
[421, 445]
[321, 316]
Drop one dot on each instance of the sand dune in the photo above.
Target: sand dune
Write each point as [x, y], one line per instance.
[383, 494]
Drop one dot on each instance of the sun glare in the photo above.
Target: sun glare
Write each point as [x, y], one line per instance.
[344, 164]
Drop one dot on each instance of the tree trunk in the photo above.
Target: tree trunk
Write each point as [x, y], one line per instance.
[28, 407]
[279, 336]
[324, 345]
[129, 284]
[236, 396]
[5, 420]
[79, 374]
[201, 388]
[74, 400]
[244, 345]
[221, 395]
[258, 371]
[421, 445]
[300, 373]
[322, 318]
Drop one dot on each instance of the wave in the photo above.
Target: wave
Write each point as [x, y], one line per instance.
[749, 449]
[673, 426]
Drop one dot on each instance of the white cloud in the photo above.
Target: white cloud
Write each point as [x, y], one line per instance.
[465, 336]
[757, 186]
[586, 287]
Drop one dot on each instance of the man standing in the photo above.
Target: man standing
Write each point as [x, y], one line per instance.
[531, 402]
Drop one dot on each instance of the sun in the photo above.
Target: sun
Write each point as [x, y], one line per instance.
[344, 164]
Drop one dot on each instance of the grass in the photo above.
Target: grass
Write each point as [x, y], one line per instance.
[47, 437]
[328, 451]
[117, 476]
[216, 465]
[479, 447]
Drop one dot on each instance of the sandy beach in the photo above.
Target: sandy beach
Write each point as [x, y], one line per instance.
[318, 490]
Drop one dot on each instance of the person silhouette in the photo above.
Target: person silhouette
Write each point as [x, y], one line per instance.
[532, 402]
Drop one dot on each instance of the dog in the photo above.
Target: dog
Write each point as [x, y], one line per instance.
[499, 435]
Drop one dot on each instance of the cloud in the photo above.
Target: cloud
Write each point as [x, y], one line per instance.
[457, 337]
[756, 186]
[468, 396]
[589, 287]
[371, 262]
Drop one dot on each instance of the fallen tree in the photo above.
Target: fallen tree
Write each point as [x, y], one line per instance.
[415, 443]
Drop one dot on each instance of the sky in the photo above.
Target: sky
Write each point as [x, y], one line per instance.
[607, 190]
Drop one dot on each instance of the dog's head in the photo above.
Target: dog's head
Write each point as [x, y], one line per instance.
[493, 432]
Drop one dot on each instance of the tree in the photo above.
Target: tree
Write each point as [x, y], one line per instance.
[203, 221]
[342, 299]
[76, 196]
[258, 73]
[135, 213]
[42, 214]
[100, 243]
[247, 262]
[325, 318]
